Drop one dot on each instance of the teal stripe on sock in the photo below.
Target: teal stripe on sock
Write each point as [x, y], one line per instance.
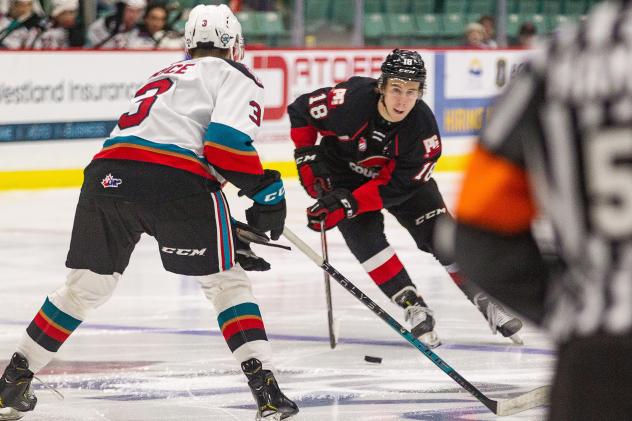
[244, 309]
[62, 319]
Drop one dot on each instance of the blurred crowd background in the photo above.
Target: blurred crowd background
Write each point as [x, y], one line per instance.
[141, 24]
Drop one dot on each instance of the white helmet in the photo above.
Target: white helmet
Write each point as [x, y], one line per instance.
[213, 27]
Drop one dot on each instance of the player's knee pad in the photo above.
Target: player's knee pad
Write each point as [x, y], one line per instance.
[227, 288]
[83, 291]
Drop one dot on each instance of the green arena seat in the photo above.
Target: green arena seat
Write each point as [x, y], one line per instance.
[401, 28]
[372, 6]
[316, 14]
[249, 24]
[428, 26]
[343, 12]
[452, 25]
[528, 7]
[574, 7]
[420, 7]
[374, 28]
[454, 6]
[482, 7]
[551, 7]
[397, 6]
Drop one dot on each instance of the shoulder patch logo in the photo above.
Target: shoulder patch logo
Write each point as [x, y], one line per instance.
[431, 145]
[110, 182]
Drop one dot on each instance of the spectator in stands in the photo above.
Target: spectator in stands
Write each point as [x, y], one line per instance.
[21, 24]
[489, 24]
[113, 31]
[475, 36]
[105, 7]
[61, 30]
[527, 35]
[153, 32]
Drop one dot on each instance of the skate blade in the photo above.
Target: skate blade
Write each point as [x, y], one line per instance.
[430, 339]
[516, 339]
[10, 414]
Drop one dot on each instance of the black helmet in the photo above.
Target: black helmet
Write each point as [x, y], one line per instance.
[404, 64]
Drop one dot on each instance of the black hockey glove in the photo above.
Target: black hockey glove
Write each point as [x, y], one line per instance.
[312, 171]
[268, 211]
[332, 208]
[268, 218]
[248, 260]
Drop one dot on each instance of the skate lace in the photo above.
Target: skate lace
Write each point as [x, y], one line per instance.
[496, 317]
[416, 314]
[54, 391]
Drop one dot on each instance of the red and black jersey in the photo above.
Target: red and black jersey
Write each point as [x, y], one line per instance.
[383, 163]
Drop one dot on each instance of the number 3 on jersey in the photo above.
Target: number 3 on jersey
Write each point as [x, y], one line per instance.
[156, 88]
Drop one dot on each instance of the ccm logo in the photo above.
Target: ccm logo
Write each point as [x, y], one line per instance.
[274, 195]
[305, 158]
[183, 252]
[430, 215]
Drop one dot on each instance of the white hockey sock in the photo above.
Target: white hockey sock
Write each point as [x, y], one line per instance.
[62, 312]
[239, 316]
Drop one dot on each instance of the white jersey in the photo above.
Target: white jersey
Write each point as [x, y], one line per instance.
[53, 37]
[15, 39]
[190, 113]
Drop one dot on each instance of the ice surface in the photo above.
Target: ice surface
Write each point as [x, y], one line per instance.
[154, 351]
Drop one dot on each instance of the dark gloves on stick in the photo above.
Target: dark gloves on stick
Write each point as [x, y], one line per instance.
[332, 208]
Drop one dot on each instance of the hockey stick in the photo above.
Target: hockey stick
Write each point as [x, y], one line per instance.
[330, 310]
[532, 399]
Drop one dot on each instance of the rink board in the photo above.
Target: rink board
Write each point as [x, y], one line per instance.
[52, 122]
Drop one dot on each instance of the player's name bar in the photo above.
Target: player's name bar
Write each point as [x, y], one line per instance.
[54, 131]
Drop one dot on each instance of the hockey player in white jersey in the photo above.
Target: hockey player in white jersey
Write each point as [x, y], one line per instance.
[189, 129]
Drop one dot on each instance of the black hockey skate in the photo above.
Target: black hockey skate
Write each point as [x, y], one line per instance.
[15, 389]
[499, 320]
[272, 404]
[418, 315]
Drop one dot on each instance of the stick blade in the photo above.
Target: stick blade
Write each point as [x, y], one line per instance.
[536, 397]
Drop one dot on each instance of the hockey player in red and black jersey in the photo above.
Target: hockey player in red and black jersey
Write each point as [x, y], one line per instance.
[380, 143]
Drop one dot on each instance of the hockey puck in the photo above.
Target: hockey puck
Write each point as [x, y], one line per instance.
[370, 359]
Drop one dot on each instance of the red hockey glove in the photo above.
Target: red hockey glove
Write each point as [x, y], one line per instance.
[332, 208]
[312, 171]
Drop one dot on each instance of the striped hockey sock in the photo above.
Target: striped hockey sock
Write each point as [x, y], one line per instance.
[45, 335]
[244, 332]
[388, 272]
[51, 327]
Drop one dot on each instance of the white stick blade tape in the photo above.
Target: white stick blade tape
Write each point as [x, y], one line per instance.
[536, 397]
